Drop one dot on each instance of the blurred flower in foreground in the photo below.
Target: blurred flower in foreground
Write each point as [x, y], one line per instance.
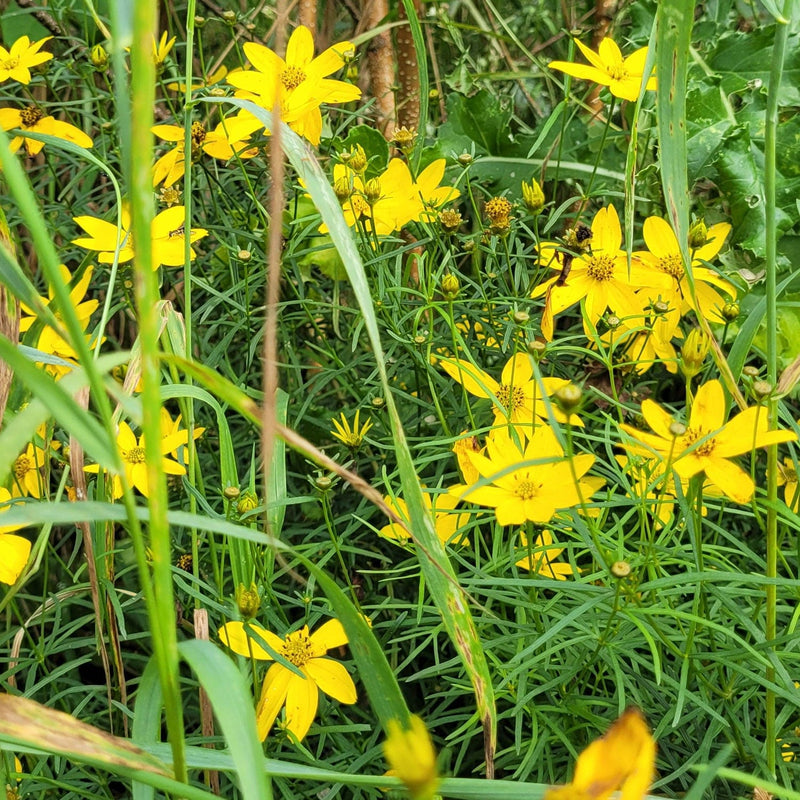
[282, 686]
[608, 68]
[299, 84]
[32, 118]
[707, 442]
[352, 436]
[132, 453]
[623, 759]
[167, 230]
[24, 54]
[14, 552]
[412, 757]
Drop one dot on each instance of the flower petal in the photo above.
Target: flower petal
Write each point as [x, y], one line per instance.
[14, 552]
[330, 634]
[302, 699]
[273, 696]
[234, 635]
[333, 679]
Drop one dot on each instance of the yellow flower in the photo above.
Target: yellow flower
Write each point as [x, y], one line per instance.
[132, 452]
[161, 50]
[608, 68]
[171, 429]
[24, 54]
[663, 254]
[600, 278]
[708, 442]
[412, 757]
[787, 477]
[299, 84]
[212, 80]
[351, 436]
[27, 476]
[644, 341]
[527, 484]
[623, 760]
[542, 555]
[32, 118]
[167, 232]
[462, 448]
[446, 524]
[516, 397]
[282, 686]
[14, 550]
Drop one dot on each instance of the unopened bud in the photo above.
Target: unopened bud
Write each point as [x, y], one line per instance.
[349, 55]
[677, 429]
[533, 196]
[231, 492]
[99, 57]
[450, 286]
[247, 502]
[372, 190]
[537, 349]
[229, 17]
[342, 190]
[694, 351]
[358, 159]
[698, 235]
[404, 138]
[244, 255]
[465, 159]
[199, 21]
[450, 220]
[323, 482]
[762, 389]
[613, 321]
[378, 402]
[730, 311]
[521, 317]
[750, 371]
[247, 601]
[620, 569]
[660, 307]
[568, 398]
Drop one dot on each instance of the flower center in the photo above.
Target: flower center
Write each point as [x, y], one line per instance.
[297, 647]
[617, 71]
[693, 435]
[359, 206]
[672, 265]
[10, 64]
[510, 397]
[30, 116]
[134, 456]
[600, 268]
[22, 466]
[526, 489]
[292, 77]
[198, 133]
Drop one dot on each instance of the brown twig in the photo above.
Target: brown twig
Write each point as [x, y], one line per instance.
[408, 105]
[380, 60]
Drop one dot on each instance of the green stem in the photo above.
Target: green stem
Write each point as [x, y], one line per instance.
[770, 174]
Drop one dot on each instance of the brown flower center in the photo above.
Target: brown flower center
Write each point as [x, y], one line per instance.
[510, 397]
[693, 435]
[198, 133]
[526, 489]
[672, 264]
[359, 206]
[22, 466]
[297, 647]
[292, 77]
[134, 456]
[600, 268]
[30, 116]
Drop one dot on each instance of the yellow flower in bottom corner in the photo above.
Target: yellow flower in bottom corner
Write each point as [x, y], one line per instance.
[623, 760]
[412, 757]
[14, 550]
[282, 686]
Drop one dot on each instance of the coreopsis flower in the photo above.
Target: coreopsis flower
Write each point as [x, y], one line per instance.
[622, 760]
[27, 479]
[14, 550]
[644, 341]
[32, 118]
[214, 79]
[664, 255]
[530, 483]
[516, 397]
[412, 757]
[299, 84]
[161, 49]
[171, 429]
[350, 435]
[15, 63]
[787, 477]
[282, 686]
[132, 452]
[541, 557]
[462, 448]
[167, 231]
[623, 76]
[707, 442]
[601, 277]
[440, 506]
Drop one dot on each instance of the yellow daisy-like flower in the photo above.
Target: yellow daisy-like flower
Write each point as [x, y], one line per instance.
[600, 278]
[161, 49]
[16, 62]
[167, 231]
[412, 757]
[623, 760]
[27, 472]
[352, 436]
[541, 559]
[623, 76]
[516, 397]
[664, 254]
[462, 448]
[787, 477]
[32, 118]
[171, 429]
[299, 84]
[282, 686]
[527, 484]
[14, 550]
[133, 457]
[446, 523]
[708, 442]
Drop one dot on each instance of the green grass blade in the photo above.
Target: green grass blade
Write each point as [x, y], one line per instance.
[146, 728]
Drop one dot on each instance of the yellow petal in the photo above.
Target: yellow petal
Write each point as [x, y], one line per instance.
[330, 634]
[14, 552]
[273, 696]
[333, 679]
[234, 635]
[302, 699]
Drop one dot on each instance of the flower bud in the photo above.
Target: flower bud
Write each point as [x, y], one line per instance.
[378, 402]
[351, 73]
[358, 159]
[698, 235]
[342, 190]
[450, 220]
[199, 21]
[450, 287]
[229, 17]
[620, 569]
[247, 601]
[433, 94]
[537, 349]
[404, 138]
[465, 159]
[694, 351]
[762, 389]
[750, 371]
[660, 307]
[677, 429]
[244, 255]
[730, 311]
[99, 58]
[613, 321]
[323, 482]
[247, 502]
[411, 756]
[521, 317]
[372, 190]
[533, 196]
[568, 398]
[231, 492]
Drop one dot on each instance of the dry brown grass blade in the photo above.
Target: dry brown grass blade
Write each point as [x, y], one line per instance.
[206, 712]
[407, 72]
[28, 722]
